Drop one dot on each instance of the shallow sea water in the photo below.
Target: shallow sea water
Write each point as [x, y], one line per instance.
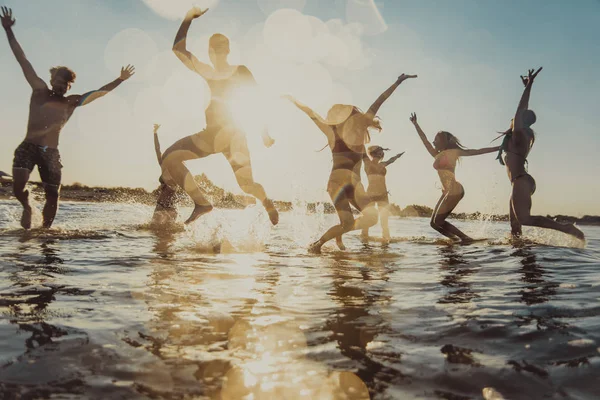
[101, 307]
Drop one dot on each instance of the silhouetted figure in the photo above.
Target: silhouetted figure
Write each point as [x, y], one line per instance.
[221, 135]
[446, 150]
[376, 169]
[49, 111]
[517, 143]
[346, 129]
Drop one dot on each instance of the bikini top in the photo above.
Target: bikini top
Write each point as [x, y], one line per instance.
[504, 148]
[442, 162]
[373, 168]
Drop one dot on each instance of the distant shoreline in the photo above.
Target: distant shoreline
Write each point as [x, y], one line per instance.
[222, 199]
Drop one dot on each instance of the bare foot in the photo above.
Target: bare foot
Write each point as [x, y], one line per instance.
[26, 218]
[466, 240]
[315, 248]
[340, 243]
[571, 229]
[272, 211]
[198, 212]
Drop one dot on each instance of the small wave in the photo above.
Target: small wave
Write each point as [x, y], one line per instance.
[55, 234]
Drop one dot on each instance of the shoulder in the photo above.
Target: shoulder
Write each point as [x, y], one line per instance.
[74, 99]
[243, 71]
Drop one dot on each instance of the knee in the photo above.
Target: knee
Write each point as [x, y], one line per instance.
[370, 216]
[436, 223]
[347, 224]
[522, 219]
[52, 192]
[20, 192]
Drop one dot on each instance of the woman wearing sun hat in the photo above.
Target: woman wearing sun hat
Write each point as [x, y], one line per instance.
[346, 128]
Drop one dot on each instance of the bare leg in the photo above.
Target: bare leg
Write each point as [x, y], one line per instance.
[20, 178]
[515, 225]
[521, 204]
[242, 168]
[384, 217]
[348, 223]
[51, 206]
[442, 210]
[179, 174]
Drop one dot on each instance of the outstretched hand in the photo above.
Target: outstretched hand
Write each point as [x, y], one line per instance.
[404, 77]
[195, 12]
[399, 155]
[268, 141]
[289, 97]
[127, 72]
[7, 18]
[530, 76]
[156, 126]
[413, 118]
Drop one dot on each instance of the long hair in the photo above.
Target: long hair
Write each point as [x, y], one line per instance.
[452, 141]
[530, 118]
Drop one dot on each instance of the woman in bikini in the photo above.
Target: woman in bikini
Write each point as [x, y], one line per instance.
[346, 128]
[517, 143]
[446, 150]
[376, 169]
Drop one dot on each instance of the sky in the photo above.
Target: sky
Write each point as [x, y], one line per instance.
[468, 55]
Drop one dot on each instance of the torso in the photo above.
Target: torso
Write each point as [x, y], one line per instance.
[376, 172]
[445, 164]
[48, 114]
[347, 161]
[517, 150]
[218, 112]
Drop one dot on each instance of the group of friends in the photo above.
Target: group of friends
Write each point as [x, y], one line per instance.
[346, 128]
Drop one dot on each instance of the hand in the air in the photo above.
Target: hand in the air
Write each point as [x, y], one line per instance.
[413, 118]
[127, 72]
[195, 12]
[7, 18]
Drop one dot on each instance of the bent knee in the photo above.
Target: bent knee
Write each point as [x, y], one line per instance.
[436, 224]
[52, 191]
[347, 224]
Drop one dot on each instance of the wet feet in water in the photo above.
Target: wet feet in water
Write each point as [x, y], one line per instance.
[315, 248]
[198, 212]
[26, 218]
[272, 211]
[466, 240]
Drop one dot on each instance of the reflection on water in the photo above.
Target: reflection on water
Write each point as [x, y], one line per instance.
[538, 288]
[121, 312]
[456, 271]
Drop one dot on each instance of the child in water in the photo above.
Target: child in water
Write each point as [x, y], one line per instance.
[376, 169]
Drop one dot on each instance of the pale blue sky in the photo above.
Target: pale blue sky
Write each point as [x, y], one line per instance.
[468, 54]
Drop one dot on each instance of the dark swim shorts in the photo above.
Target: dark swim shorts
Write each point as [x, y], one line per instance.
[28, 155]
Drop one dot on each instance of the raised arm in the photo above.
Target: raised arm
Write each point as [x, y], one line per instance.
[391, 160]
[79, 100]
[7, 22]
[524, 102]
[428, 145]
[476, 152]
[372, 111]
[318, 120]
[157, 144]
[180, 47]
